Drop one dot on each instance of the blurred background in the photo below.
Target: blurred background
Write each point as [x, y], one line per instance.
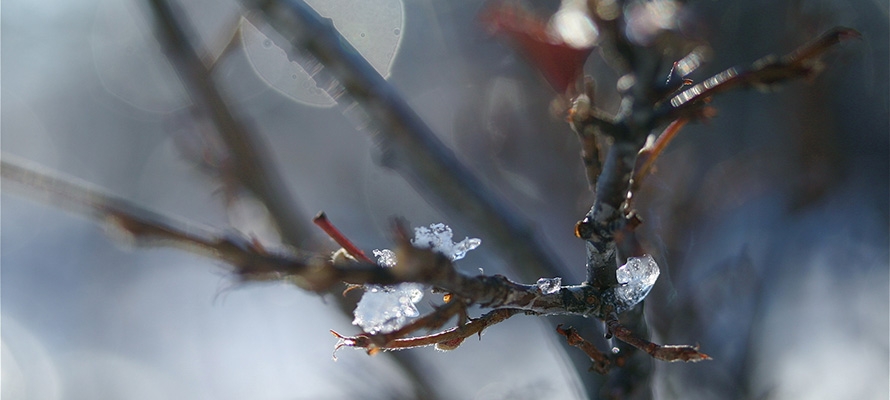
[770, 222]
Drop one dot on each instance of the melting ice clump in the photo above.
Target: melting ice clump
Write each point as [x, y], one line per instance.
[636, 278]
[438, 237]
[384, 309]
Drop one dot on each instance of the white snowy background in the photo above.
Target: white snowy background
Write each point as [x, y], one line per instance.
[770, 223]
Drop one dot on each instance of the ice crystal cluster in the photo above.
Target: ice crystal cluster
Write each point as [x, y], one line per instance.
[549, 285]
[636, 278]
[384, 309]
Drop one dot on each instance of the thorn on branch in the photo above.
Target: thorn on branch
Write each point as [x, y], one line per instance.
[766, 72]
[322, 221]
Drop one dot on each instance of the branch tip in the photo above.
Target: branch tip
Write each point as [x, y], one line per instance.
[322, 221]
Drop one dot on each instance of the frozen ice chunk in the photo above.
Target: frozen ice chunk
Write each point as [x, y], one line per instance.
[636, 278]
[461, 248]
[384, 309]
[549, 285]
[385, 257]
[438, 237]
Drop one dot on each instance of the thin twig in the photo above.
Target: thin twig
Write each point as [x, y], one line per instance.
[800, 63]
[449, 339]
[322, 221]
[313, 273]
[601, 363]
[658, 351]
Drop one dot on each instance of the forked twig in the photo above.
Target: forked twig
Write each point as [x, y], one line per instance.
[251, 162]
[800, 63]
[322, 221]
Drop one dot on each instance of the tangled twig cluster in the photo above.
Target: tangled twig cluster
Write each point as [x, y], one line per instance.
[618, 152]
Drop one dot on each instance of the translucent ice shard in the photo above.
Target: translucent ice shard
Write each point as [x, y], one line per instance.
[438, 237]
[384, 309]
[549, 285]
[636, 278]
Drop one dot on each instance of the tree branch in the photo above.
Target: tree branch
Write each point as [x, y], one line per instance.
[251, 162]
[408, 144]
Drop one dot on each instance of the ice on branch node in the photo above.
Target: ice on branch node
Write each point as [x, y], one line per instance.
[549, 285]
[636, 278]
[384, 309]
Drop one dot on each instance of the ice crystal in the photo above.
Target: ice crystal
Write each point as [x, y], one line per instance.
[549, 285]
[636, 278]
[438, 237]
[384, 309]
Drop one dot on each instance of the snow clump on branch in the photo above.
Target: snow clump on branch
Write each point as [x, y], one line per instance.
[384, 309]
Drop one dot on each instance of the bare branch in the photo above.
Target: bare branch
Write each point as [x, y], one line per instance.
[768, 71]
[448, 339]
[251, 162]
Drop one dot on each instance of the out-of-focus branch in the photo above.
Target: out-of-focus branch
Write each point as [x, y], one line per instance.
[250, 160]
[592, 126]
[648, 155]
[147, 228]
[408, 144]
[801, 63]
[321, 220]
